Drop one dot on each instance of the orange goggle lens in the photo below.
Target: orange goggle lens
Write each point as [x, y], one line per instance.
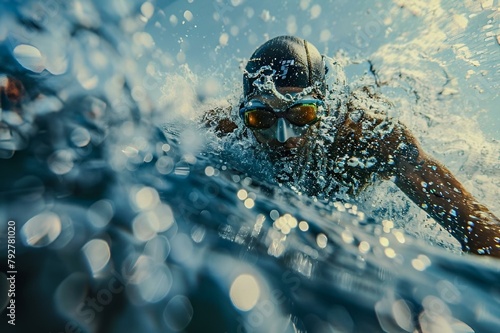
[299, 115]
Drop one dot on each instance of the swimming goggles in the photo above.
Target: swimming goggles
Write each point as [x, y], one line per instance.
[257, 115]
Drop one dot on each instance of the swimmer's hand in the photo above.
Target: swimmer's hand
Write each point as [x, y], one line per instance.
[220, 119]
[434, 188]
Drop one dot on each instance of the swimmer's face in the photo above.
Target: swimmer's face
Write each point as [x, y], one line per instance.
[283, 134]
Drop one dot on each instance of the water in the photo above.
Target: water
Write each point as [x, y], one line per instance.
[130, 217]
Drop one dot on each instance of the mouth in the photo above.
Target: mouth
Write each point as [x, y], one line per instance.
[294, 143]
[288, 144]
[288, 148]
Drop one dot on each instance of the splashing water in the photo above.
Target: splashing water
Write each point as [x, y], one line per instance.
[131, 217]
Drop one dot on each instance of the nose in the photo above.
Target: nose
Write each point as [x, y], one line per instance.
[283, 130]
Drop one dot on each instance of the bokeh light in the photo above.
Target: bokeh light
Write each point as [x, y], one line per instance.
[41, 230]
[245, 292]
[98, 254]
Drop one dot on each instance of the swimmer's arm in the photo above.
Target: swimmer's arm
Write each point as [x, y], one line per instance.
[220, 119]
[434, 188]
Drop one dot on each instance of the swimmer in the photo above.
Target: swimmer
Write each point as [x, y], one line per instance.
[284, 107]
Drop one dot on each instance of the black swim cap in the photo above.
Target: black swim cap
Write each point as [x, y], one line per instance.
[294, 61]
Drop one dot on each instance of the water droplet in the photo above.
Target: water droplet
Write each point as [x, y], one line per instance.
[147, 9]
[242, 194]
[265, 15]
[158, 248]
[249, 203]
[384, 241]
[390, 253]
[356, 115]
[209, 171]
[178, 313]
[399, 236]
[29, 57]
[97, 253]
[364, 247]
[223, 39]
[80, 137]
[61, 162]
[182, 169]
[198, 233]
[353, 162]
[403, 315]
[188, 15]
[136, 268]
[41, 230]
[100, 213]
[303, 226]
[291, 221]
[321, 240]
[145, 226]
[244, 292]
[371, 161]
[145, 198]
[425, 260]
[73, 288]
[157, 284]
[173, 20]
[418, 265]
[166, 215]
[315, 11]
[388, 225]
[165, 165]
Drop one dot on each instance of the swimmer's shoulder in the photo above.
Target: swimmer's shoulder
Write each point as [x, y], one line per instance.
[378, 135]
[362, 124]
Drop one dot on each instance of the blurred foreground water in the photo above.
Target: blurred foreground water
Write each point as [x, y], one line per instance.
[132, 218]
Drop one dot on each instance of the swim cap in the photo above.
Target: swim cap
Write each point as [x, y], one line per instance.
[293, 62]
